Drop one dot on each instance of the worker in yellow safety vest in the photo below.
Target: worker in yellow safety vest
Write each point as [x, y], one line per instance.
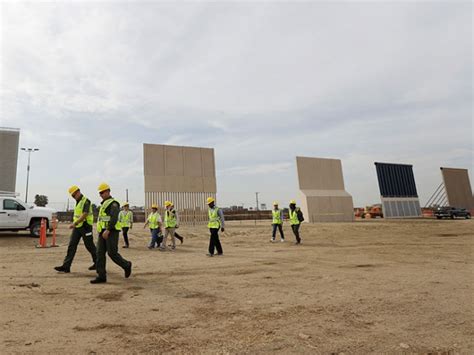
[154, 223]
[126, 221]
[277, 222]
[296, 217]
[171, 223]
[108, 227]
[81, 228]
[216, 222]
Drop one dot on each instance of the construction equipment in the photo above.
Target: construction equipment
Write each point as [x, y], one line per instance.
[373, 211]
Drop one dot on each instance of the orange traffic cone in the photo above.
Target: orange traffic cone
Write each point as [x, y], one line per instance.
[42, 238]
[55, 223]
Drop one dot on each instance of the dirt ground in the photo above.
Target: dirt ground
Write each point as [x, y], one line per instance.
[365, 287]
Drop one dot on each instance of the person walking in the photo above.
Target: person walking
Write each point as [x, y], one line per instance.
[108, 228]
[81, 228]
[277, 222]
[216, 222]
[179, 237]
[154, 223]
[296, 217]
[176, 235]
[171, 223]
[126, 222]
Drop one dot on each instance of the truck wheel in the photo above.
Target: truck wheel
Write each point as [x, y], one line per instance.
[452, 216]
[438, 217]
[468, 216]
[35, 228]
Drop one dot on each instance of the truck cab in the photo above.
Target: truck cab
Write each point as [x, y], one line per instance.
[16, 215]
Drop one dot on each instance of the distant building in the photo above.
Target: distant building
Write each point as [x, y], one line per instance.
[9, 139]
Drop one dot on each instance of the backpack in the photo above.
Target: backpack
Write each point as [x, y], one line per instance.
[299, 214]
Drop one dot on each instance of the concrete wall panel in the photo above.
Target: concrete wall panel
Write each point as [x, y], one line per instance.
[208, 163]
[153, 159]
[9, 139]
[174, 161]
[458, 187]
[319, 174]
[192, 162]
[322, 194]
[209, 184]
[184, 175]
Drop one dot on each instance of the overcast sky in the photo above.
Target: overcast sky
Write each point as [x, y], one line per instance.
[88, 83]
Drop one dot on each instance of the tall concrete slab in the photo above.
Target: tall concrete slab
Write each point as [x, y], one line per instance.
[9, 140]
[184, 175]
[458, 187]
[322, 191]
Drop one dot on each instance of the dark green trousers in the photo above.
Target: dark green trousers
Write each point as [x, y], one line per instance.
[84, 232]
[109, 246]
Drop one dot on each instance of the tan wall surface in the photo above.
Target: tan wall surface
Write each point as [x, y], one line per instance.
[458, 187]
[179, 169]
[184, 175]
[322, 193]
[9, 139]
[319, 174]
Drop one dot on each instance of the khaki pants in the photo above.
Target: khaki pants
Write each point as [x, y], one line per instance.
[170, 232]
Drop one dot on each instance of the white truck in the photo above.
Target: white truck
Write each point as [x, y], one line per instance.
[16, 215]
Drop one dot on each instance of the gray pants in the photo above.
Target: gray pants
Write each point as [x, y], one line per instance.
[84, 232]
[170, 232]
[109, 245]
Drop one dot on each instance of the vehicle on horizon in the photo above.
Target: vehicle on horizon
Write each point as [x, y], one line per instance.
[452, 212]
[16, 215]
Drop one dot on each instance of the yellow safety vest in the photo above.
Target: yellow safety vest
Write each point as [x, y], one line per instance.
[214, 219]
[125, 218]
[276, 214]
[170, 219]
[103, 218]
[153, 220]
[294, 217]
[79, 210]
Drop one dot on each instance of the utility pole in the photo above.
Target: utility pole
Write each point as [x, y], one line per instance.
[126, 194]
[29, 151]
[257, 214]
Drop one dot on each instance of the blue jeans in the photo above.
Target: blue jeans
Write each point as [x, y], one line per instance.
[156, 238]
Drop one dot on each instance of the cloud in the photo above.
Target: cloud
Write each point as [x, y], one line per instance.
[89, 82]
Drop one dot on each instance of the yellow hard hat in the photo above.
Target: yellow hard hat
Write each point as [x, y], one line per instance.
[168, 203]
[73, 189]
[125, 204]
[292, 202]
[103, 186]
[210, 200]
[275, 203]
[154, 206]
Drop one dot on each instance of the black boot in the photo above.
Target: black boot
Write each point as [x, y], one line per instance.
[180, 238]
[99, 280]
[92, 267]
[128, 270]
[64, 269]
